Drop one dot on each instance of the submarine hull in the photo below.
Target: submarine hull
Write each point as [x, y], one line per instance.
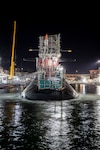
[32, 92]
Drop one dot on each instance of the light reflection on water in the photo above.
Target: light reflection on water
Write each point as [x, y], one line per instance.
[53, 125]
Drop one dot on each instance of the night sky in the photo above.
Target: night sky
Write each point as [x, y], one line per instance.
[79, 31]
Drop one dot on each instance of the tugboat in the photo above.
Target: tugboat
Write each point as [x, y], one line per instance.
[49, 82]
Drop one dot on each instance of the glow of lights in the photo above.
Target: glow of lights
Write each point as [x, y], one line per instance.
[16, 78]
[69, 51]
[30, 50]
[98, 89]
[49, 62]
[55, 61]
[99, 78]
[83, 89]
[56, 124]
[60, 68]
[98, 61]
[84, 80]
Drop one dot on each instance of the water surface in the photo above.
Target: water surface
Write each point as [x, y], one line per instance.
[52, 125]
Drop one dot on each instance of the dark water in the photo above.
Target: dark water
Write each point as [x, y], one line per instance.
[54, 125]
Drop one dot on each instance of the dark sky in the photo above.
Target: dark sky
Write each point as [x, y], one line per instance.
[79, 29]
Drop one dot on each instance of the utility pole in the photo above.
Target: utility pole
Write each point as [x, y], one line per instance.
[12, 67]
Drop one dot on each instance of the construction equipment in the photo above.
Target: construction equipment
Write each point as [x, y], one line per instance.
[12, 67]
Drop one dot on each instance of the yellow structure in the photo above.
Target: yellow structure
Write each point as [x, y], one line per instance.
[12, 67]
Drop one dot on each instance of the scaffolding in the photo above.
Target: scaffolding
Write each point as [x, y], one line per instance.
[51, 72]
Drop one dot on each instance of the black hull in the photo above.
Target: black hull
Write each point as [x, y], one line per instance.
[31, 92]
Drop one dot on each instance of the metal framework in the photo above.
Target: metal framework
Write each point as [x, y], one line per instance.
[51, 72]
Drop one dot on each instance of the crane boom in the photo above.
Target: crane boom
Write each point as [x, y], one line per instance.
[12, 67]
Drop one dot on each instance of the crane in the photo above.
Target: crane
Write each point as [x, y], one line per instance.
[12, 67]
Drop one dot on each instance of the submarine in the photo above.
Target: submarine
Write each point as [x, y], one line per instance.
[49, 82]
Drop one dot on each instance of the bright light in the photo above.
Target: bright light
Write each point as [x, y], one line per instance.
[49, 62]
[69, 50]
[98, 77]
[98, 89]
[98, 61]
[84, 80]
[16, 78]
[30, 50]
